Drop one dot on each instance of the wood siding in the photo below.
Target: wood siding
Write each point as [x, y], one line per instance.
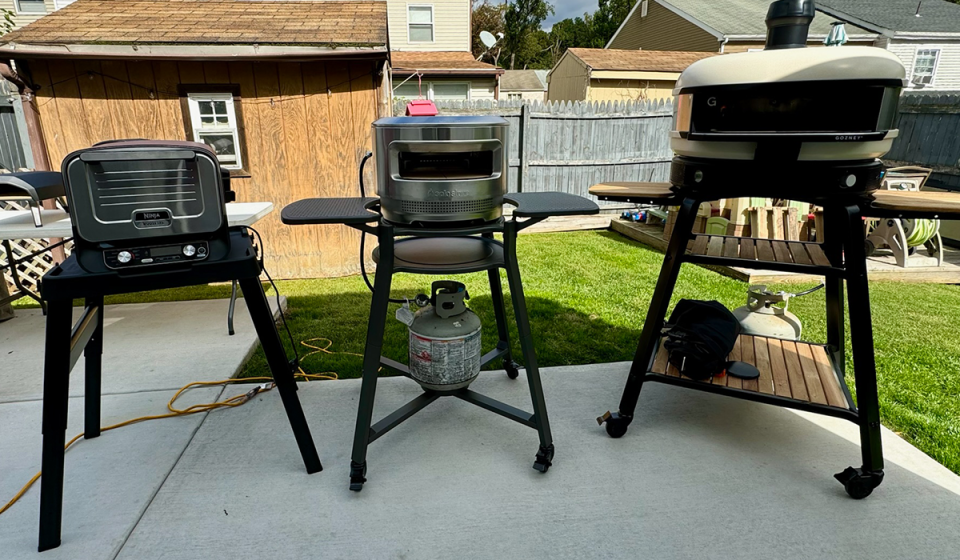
[306, 126]
[451, 25]
[947, 75]
[568, 80]
[629, 90]
[663, 30]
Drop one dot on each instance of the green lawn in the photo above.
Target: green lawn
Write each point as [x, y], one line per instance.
[587, 294]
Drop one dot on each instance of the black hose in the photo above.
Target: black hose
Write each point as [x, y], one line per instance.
[363, 235]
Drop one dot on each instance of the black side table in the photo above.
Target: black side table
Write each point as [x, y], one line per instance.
[444, 251]
[64, 344]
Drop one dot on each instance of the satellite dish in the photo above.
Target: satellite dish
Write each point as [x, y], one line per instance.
[487, 39]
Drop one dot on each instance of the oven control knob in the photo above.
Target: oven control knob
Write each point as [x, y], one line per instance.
[124, 257]
[189, 250]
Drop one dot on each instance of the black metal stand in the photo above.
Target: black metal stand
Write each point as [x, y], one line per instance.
[64, 344]
[444, 251]
[844, 249]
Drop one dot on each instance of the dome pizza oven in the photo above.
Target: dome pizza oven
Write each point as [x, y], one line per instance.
[788, 104]
[441, 170]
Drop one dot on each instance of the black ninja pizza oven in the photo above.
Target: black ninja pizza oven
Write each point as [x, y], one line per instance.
[137, 204]
[787, 107]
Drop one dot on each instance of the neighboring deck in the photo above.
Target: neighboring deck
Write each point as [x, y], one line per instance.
[880, 267]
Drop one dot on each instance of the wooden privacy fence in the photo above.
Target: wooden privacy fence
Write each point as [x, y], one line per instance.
[569, 146]
[930, 136]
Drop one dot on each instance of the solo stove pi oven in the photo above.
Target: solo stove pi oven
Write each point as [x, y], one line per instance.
[441, 171]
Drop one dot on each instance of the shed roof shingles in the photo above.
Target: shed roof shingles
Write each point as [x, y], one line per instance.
[638, 61]
[522, 80]
[439, 60]
[297, 22]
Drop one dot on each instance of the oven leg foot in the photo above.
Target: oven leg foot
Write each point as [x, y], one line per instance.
[544, 458]
[859, 483]
[615, 423]
[358, 475]
[512, 368]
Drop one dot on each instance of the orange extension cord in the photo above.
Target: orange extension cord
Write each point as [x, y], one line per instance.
[231, 402]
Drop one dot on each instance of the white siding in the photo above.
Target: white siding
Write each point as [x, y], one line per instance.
[19, 19]
[451, 25]
[947, 75]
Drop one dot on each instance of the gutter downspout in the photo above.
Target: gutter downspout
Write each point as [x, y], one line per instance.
[31, 116]
[723, 43]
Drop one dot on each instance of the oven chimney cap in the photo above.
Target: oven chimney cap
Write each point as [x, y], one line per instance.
[421, 108]
[788, 22]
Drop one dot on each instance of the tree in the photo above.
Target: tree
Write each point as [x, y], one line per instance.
[487, 17]
[522, 44]
[607, 19]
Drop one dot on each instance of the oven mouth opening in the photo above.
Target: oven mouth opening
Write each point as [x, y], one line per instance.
[427, 166]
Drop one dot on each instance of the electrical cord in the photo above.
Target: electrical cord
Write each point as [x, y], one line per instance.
[363, 237]
[276, 292]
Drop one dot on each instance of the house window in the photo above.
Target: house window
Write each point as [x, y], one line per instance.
[925, 66]
[420, 24]
[514, 96]
[437, 91]
[31, 7]
[643, 8]
[213, 121]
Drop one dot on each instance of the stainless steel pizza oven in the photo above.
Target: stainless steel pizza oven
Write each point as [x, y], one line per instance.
[787, 102]
[441, 170]
[137, 203]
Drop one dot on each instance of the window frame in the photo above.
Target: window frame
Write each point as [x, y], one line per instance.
[189, 92]
[513, 95]
[20, 11]
[427, 88]
[432, 24]
[644, 7]
[933, 71]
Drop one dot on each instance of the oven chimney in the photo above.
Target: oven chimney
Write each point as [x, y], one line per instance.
[788, 22]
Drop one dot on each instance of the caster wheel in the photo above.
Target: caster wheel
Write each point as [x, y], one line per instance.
[616, 428]
[512, 368]
[859, 484]
[358, 473]
[544, 459]
[869, 248]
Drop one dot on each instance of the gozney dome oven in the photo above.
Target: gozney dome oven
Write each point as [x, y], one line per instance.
[789, 103]
[441, 170]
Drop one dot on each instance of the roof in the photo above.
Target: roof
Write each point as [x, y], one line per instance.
[746, 17]
[523, 80]
[303, 23]
[441, 62]
[897, 16]
[638, 60]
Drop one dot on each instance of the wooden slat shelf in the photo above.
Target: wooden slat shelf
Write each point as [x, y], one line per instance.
[749, 252]
[797, 371]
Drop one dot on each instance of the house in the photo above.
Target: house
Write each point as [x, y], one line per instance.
[430, 52]
[284, 91]
[617, 75]
[718, 26]
[28, 11]
[924, 34]
[524, 84]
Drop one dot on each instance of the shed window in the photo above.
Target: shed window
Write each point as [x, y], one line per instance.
[31, 7]
[214, 122]
[925, 66]
[643, 8]
[514, 96]
[420, 23]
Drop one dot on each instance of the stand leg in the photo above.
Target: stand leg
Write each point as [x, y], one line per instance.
[371, 357]
[500, 312]
[835, 225]
[617, 422]
[545, 453]
[859, 483]
[230, 310]
[282, 372]
[93, 359]
[56, 385]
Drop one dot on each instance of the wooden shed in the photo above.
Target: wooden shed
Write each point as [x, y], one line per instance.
[284, 91]
[617, 75]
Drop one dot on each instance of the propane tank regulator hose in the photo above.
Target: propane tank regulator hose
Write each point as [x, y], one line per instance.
[363, 236]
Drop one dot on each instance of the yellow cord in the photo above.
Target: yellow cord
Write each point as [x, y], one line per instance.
[231, 402]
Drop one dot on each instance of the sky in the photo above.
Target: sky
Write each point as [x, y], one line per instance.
[569, 9]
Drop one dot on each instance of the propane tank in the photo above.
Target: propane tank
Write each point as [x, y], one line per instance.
[445, 340]
[763, 316]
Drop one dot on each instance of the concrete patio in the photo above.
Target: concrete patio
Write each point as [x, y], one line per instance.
[697, 476]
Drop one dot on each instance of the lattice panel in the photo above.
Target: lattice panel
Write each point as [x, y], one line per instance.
[33, 270]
